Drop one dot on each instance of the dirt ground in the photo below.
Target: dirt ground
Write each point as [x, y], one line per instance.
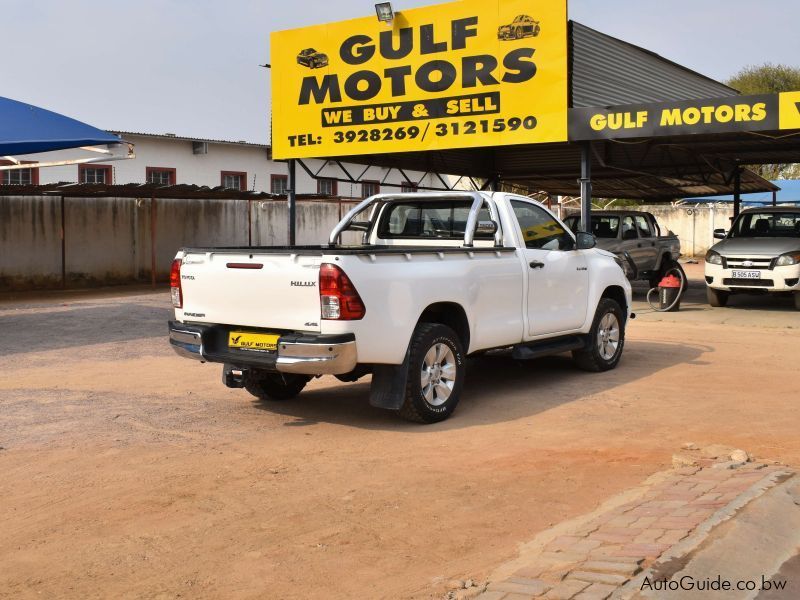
[129, 472]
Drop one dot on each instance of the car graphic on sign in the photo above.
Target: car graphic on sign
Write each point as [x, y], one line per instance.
[522, 26]
[312, 59]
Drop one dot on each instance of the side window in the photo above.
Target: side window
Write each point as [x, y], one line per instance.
[605, 227]
[643, 225]
[539, 229]
[628, 228]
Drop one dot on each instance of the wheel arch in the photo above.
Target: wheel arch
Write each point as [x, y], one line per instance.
[616, 293]
[451, 314]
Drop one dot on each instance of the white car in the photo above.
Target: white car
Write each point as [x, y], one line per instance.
[430, 279]
[760, 254]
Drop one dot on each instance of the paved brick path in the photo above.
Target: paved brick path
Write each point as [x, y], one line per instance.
[593, 557]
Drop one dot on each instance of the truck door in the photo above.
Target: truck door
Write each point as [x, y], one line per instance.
[647, 247]
[558, 279]
[629, 240]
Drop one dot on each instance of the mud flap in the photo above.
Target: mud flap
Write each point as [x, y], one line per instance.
[388, 388]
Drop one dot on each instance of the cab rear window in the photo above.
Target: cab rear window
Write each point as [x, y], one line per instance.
[606, 227]
[445, 219]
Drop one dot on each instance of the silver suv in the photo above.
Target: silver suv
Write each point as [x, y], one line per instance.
[761, 253]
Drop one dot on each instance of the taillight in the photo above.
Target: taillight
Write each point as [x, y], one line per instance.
[338, 297]
[175, 283]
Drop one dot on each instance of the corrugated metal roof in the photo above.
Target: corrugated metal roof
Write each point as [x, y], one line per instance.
[653, 187]
[169, 136]
[147, 190]
[607, 71]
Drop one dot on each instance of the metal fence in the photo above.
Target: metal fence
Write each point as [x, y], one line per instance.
[51, 241]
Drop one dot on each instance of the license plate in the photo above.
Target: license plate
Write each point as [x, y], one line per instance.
[247, 340]
[747, 274]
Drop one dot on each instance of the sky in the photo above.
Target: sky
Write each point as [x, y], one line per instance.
[190, 67]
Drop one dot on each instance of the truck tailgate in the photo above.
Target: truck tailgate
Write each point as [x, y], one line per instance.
[267, 290]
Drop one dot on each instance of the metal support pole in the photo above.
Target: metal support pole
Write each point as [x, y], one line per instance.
[291, 197]
[586, 187]
[774, 198]
[737, 191]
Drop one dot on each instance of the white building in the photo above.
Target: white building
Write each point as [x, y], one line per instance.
[169, 159]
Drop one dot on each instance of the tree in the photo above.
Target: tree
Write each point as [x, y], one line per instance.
[769, 79]
[766, 79]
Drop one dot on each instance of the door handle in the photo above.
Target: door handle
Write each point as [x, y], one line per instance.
[638, 245]
[535, 264]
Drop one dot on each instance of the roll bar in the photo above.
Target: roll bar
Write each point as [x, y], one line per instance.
[478, 200]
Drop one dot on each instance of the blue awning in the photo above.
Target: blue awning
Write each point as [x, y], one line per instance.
[28, 129]
[788, 193]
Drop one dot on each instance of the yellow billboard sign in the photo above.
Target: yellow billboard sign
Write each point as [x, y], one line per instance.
[464, 74]
[789, 113]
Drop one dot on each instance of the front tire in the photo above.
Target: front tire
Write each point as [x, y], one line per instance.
[797, 300]
[719, 298]
[436, 374]
[274, 386]
[606, 339]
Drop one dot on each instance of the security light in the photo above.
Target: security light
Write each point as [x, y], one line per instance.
[385, 12]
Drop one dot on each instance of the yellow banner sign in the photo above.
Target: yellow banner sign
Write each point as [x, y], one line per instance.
[457, 75]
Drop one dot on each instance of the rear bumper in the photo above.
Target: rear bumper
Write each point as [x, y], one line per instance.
[300, 353]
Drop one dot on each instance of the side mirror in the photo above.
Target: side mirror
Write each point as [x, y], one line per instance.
[719, 234]
[584, 241]
[487, 228]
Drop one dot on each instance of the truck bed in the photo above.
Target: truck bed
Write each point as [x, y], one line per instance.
[349, 250]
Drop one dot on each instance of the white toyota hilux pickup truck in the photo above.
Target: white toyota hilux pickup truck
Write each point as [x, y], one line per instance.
[430, 279]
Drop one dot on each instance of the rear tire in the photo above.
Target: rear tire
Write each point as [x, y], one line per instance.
[606, 339]
[274, 386]
[719, 298]
[436, 374]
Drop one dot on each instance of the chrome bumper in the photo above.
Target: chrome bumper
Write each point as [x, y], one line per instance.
[302, 354]
[316, 359]
[188, 344]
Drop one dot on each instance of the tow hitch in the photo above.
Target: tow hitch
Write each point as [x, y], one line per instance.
[233, 377]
